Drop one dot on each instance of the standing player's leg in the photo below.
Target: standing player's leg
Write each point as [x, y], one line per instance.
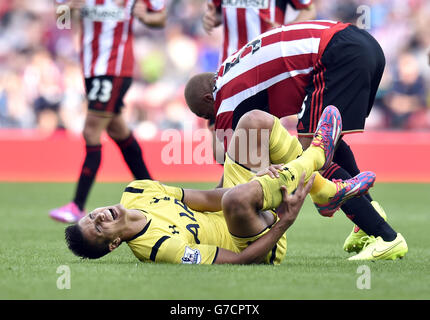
[122, 135]
[345, 165]
[95, 124]
[130, 148]
[366, 87]
[341, 80]
[102, 95]
[345, 158]
[105, 100]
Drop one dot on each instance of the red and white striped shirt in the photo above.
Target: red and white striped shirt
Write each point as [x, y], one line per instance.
[271, 72]
[107, 36]
[244, 20]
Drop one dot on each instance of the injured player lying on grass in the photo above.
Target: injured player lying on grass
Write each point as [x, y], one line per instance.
[236, 225]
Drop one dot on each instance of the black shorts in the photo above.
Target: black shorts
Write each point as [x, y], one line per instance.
[106, 93]
[347, 76]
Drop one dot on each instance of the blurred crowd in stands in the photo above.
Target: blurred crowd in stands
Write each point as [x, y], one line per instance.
[41, 84]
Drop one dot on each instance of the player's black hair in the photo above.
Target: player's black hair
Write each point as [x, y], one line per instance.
[81, 247]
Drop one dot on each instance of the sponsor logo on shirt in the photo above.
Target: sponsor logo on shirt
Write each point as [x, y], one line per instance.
[103, 13]
[257, 4]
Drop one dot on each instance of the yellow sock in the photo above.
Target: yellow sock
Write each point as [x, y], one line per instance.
[322, 189]
[308, 162]
[311, 160]
[272, 195]
[283, 147]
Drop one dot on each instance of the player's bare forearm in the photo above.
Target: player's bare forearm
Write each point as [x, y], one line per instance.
[76, 26]
[212, 17]
[204, 200]
[287, 211]
[257, 251]
[154, 19]
[309, 13]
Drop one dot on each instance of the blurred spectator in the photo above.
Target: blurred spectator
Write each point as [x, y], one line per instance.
[41, 82]
[44, 80]
[408, 94]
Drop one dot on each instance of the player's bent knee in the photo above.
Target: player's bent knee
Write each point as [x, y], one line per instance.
[235, 203]
[91, 135]
[256, 119]
[117, 135]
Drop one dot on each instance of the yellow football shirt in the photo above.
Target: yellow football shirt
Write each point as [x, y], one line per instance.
[174, 233]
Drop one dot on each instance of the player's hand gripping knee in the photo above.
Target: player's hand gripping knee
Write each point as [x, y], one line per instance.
[272, 171]
[292, 203]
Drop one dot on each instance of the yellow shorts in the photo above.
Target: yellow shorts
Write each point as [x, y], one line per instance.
[235, 174]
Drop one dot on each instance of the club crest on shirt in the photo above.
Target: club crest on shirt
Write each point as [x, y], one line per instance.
[256, 4]
[191, 256]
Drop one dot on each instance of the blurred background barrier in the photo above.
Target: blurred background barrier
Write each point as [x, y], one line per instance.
[31, 156]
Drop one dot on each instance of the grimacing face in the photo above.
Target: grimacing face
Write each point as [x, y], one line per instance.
[103, 224]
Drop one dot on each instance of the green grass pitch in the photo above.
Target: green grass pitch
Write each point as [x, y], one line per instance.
[32, 249]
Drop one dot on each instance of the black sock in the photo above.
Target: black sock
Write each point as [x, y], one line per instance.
[132, 154]
[345, 158]
[361, 211]
[88, 173]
